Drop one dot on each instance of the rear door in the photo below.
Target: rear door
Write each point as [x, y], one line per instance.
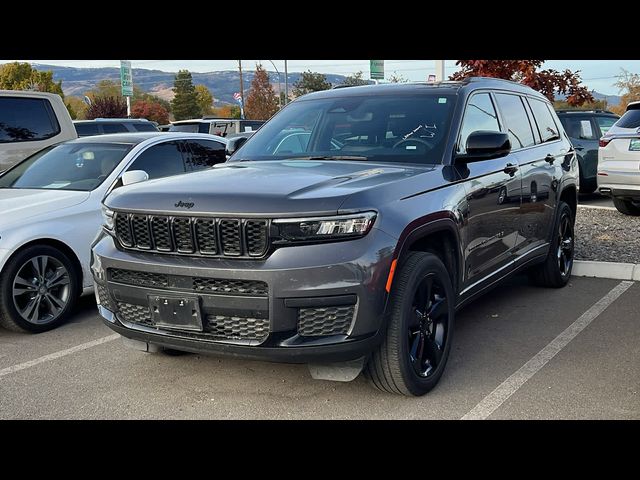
[584, 133]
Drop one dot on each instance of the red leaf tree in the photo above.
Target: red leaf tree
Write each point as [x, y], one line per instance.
[107, 107]
[548, 82]
[151, 111]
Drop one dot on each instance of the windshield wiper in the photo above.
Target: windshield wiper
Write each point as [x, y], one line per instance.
[355, 158]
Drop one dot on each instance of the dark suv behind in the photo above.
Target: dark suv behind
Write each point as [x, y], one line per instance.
[102, 126]
[354, 246]
[585, 127]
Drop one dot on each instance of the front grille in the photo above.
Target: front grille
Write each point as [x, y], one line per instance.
[205, 285]
[134, 313]
[230, 237]
[237, 328]
[317, 321]
[103, 297]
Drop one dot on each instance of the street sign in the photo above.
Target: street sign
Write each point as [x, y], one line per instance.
[126, 78]
[376, 67]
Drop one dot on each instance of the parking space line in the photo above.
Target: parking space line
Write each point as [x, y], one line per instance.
[56, 355]
[501, 394]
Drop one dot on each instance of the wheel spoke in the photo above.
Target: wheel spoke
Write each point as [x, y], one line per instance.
[55, 306]
[58, 301]
[417, 347]
[20, 290]
[414, 318]
[59, 278]
[423, 296]
[438, 308]
[32, 311]
[433, 352]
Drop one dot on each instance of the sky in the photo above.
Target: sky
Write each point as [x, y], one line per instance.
[599, 75]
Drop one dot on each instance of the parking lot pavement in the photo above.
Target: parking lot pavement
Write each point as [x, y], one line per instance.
[595, 200]
[594, 376]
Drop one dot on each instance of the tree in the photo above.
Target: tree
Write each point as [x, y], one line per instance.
[205, 99]
[355, 79]
[77, 106]
[227, 111]
[595, 105]
[629, 85]
[150, 110]
[107, 107]
[105, 88]
[261, 102]
[22, 76]
[548, 82]
[395, 78]
[185, 103]
[310, 82]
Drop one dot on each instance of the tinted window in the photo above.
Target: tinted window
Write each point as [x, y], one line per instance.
[630, 119]
[160, 160]
[144, 127]
[204, 154]
[26, 120]
[517, 122]
[605, 123]
[86, 129]
[114, 128]
[547, 127]
[188, 127]
[479, 115]
[222, 129]
[249, 126]
[578, 127]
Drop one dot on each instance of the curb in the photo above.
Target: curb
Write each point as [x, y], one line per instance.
[614, 270]
[597, 207]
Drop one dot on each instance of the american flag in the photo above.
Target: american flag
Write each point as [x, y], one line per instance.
[237, 96]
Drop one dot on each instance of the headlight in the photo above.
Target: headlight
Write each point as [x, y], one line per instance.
[321, 229]
[107, 218]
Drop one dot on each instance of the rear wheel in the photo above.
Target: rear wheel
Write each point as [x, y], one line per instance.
[38, 289]
[414, 352]
[628, 207]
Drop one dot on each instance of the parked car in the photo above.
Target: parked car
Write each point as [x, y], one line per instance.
[216, 126]
[50, 206]
[30, 121]
[585, 127]
[102, 126]
[619, 162]
[356, 250]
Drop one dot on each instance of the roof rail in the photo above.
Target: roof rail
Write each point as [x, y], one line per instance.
[574, 110]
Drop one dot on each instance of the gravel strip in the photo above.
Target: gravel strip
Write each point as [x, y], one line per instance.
[607, 236]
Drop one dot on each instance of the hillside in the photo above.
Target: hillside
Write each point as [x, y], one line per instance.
[222, 84]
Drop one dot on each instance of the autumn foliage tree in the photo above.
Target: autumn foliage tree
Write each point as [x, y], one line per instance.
[107, 107]
[261, 102]
[549, 82]
[629, 85]
[151, 111]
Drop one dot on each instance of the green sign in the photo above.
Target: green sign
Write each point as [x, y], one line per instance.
[126, 78]
[377, 69]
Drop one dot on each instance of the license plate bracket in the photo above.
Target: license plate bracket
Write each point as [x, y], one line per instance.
[176, 313]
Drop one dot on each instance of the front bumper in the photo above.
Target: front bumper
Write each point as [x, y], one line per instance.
[320, 303]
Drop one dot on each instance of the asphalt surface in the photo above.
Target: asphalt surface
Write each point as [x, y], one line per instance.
[595, 376]
[595, 200]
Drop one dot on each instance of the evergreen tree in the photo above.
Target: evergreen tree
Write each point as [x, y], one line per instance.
[262, 102]
[185, 103]
[310, 82]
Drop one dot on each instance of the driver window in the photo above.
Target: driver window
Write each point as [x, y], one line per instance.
[479, 115]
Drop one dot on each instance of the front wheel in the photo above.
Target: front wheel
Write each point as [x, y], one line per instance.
[38, 289]
[412, 357]
[627, 207]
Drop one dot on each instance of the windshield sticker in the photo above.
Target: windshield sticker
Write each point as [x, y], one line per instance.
[442, 100]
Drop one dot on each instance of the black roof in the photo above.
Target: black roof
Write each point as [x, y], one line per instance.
[445, 87]
[575, 112]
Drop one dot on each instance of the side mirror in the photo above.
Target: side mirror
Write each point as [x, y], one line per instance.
[234, 144]
[134, 176]
[484, 145]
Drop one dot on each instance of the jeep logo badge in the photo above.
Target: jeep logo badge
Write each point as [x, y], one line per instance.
[182, 204]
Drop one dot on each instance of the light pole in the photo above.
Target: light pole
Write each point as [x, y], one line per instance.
[279, 85]
[286, 84]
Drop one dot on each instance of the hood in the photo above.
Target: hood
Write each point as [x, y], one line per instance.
[19, 204]
[261, 188]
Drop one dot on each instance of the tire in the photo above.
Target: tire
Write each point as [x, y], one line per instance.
[555, 271]
[626, 206]
[399, 365]
[44, 291]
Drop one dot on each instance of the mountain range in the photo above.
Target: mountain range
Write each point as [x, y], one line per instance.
[222, 84]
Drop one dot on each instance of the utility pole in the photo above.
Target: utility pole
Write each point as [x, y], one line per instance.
[241, 89]
[439, 70]
[286, 84]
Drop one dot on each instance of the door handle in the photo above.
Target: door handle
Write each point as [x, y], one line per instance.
[510, 168]
[549, 158]
[578, 147]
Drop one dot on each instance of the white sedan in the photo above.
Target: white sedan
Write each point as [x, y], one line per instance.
[50, 206]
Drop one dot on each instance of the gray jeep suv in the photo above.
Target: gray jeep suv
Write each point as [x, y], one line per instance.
[351, 247]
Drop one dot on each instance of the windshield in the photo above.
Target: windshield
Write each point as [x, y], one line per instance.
[381, 128]
[69, 166]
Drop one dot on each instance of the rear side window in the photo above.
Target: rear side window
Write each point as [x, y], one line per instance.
[86, 129]
[144, 127]
[547, 127]
[114, 128]
[605, 123]
[189, 127]
[630, 119]
[479, 115]
[204, 154]
[578, 127]
[517, 122]
[160, 160]
[250, 126]
[26, 120]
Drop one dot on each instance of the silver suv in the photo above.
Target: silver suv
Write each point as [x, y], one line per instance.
[216, 126]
